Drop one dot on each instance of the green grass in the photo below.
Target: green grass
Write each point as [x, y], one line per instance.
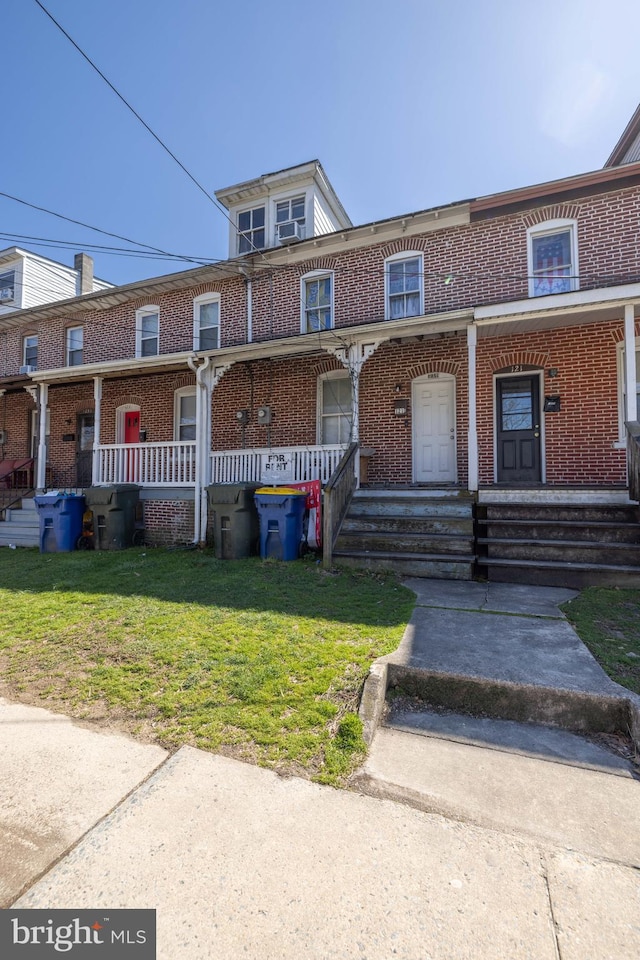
[260, 660]
[607, 620]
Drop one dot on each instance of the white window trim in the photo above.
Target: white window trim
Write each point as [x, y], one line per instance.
[197, 303]
[121, 413]
[403, 255]
[29, 336]
[331, 375]
[621, 442]
[68, 350]
[315, 275]
[177, 397]
[287, 198]
[146, 311]
[550, 227]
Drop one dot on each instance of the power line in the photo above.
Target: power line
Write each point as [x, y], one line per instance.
[155, 136]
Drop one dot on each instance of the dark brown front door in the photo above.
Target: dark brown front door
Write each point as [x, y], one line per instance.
[84, 449]
[518, 429]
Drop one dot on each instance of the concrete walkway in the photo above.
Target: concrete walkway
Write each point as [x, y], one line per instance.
[239, 862]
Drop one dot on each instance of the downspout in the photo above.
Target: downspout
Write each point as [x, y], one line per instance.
[249, 310]
[198, 512]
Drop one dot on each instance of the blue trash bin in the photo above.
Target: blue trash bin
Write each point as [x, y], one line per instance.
[281, 514]
[60, 517]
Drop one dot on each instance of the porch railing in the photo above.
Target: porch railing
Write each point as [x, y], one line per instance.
[300, 464]
[337, 497]
[150, 464]
[633, 459]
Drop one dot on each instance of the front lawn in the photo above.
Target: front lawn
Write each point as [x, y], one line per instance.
[607, 620]
[256, 659]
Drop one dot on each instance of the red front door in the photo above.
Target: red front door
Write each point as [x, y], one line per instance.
[132, 435]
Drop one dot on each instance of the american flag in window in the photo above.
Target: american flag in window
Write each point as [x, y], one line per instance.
[552, 267]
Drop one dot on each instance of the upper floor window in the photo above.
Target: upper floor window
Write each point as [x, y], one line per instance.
[30, 351]
[553, 258]
[251, 230]
[317, 302]
[75, 346]
[334, 408]
[206, 322]
[7, 288]
[290, 219]
[404, 286]
[147, 332]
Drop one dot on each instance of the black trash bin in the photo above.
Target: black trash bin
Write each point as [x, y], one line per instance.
[114, 515]
[235, 520]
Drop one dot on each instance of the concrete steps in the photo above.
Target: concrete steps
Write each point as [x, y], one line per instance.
[418, 533]
[21, 526]
[559, 544]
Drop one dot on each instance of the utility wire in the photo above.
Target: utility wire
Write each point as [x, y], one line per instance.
[155, 136]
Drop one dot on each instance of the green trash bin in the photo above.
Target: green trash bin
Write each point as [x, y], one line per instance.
[114, 515]
[236, 531]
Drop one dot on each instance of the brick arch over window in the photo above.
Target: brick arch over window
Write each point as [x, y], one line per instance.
[184, 380]
[618, 335]
[130, 399]
[519, 358]
[319, 263]
[559, 211]
[434, 366]
[399, 246]
[326, 366]
[203, 288]
[84, 409]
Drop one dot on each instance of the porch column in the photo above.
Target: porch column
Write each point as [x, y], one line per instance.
[472, 437]
[41, 474]
[353, 358]
[631, 409]
[96, 476]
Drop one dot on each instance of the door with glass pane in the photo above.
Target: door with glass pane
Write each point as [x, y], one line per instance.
[518, 429]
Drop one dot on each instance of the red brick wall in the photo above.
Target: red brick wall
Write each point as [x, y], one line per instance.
[168, 523]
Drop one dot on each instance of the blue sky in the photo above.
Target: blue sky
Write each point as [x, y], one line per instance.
[408, 106]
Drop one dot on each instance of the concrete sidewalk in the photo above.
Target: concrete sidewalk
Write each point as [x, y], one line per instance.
[498, 850]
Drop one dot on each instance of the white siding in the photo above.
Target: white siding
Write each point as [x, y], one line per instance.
[45, 281]
[323, 220]
[16, 267]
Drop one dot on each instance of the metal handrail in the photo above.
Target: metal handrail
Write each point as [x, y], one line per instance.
[337, 497]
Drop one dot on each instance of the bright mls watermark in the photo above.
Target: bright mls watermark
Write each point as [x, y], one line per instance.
[80, 934]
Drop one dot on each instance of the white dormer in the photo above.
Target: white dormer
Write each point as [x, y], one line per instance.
[277, 209]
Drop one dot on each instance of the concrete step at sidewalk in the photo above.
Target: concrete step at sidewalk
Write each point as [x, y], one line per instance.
[555, 802]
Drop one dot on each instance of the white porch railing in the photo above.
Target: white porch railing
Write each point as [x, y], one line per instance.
[303, 463]
[150, 464]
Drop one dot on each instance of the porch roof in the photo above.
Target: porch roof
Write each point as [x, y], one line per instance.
[557, 310]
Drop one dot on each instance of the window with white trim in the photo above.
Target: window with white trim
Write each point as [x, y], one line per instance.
[30, 350]
[334, 408]
[185, 414]
[552, 257]
[288, 213]
[147, 332]
[7, 288]
[404, 286]
[317, 302]
[251, 234]
[74, 346]
[206, 322]
[622, 391]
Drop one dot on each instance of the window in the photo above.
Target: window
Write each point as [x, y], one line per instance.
[553, 262]
[334, 408]
[622, 391]
[251, 230]
[185, 414]
[289, 212]
[404, 284]
[30, 351]
[147, 332]
[7, 288]
[75, 346]
[206, 322]
[317, 302]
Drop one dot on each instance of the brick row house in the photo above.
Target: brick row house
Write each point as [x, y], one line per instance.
[483, 357]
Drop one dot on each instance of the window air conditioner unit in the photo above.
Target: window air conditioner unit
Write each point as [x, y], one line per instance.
[6, 295]
[289, 232]
[28, 368]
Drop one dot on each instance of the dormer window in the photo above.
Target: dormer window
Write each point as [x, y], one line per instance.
[7, 288]
[553, 258]
[290, 220]
[251, 230]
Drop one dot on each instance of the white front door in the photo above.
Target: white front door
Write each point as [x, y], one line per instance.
[434, 435]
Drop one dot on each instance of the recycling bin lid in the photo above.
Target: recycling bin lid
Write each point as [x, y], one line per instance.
[281, 491]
